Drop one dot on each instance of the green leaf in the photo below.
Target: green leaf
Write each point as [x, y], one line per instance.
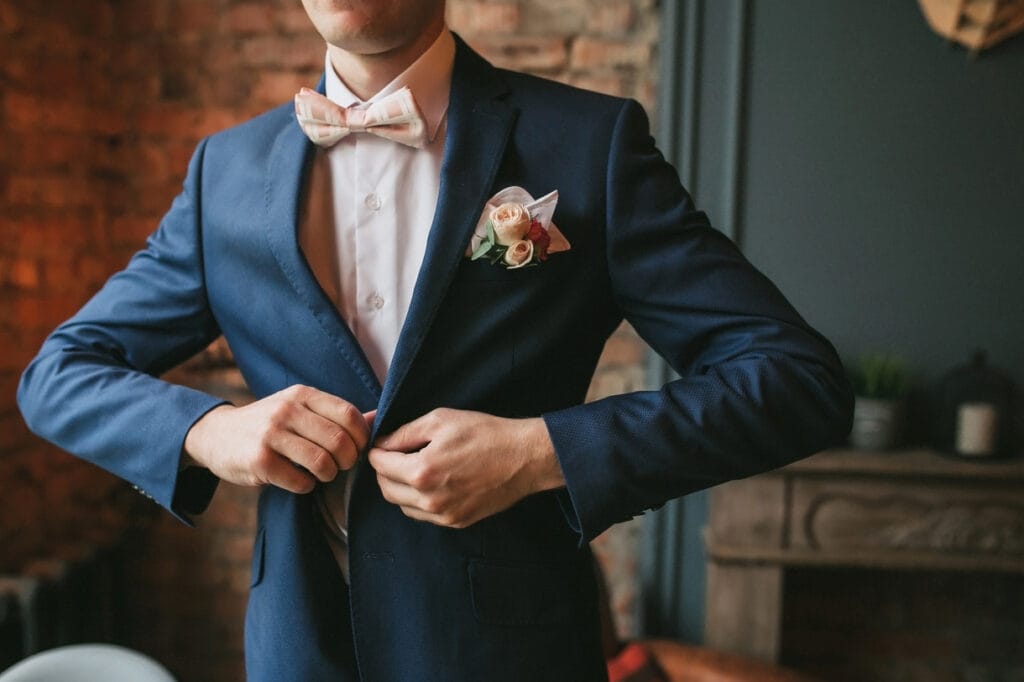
[488, 243]
[481, 250]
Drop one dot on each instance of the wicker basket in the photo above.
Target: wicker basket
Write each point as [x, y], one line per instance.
[975, 24]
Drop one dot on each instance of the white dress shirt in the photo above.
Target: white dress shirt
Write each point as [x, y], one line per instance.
[363, 227]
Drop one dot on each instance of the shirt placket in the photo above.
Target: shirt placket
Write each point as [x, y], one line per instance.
[375, 250]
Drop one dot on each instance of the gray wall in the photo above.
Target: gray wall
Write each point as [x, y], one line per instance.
[875, 173]
[884, 180]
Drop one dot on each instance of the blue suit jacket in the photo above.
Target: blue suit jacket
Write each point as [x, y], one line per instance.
[511, 597]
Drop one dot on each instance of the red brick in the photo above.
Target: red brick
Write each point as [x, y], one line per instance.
[144, 17]
[44, 312]
[250, 17]
[262, 51]
[588, 53]
[22, 273]
[14, 435]
[47, 73]
[293, 19]
[52, 191]
[275, 87]
[484, 17]
[26, 113]
[50, 234]
[36, 150]
[91, 272]
[193, 16]
[10, 19]
[149, 160]
[525, 53]
[608, 83]
[8, 379]
[16, 357]
[615, 18]
[154, 200]
[179, 153]
[175, 120]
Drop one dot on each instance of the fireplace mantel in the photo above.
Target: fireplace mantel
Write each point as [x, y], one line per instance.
[912, 509]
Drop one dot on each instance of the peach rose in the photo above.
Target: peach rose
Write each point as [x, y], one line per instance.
[519, 254]
[511, 222]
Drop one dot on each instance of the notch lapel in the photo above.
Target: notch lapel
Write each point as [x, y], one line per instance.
[479, 125]
[287, 173]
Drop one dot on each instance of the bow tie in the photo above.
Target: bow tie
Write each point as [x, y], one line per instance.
[395, 117]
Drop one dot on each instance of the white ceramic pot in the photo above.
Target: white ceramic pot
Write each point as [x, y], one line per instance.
[877, 424]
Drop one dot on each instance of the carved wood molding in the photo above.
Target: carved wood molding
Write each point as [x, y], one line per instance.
[899, 522]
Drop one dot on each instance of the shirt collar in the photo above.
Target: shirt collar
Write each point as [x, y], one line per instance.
[429, 78]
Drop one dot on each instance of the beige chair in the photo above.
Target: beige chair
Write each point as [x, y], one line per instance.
[87, 663]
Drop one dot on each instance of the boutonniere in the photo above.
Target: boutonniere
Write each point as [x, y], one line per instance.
[516, 231]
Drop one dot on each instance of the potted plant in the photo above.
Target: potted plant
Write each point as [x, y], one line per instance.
[880, 384]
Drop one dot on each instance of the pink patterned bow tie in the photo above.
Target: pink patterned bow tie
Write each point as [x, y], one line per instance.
[395, 117]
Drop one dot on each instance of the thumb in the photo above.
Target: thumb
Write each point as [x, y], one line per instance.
[370, 417]
[409, 437]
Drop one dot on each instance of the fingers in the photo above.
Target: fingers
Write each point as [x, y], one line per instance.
[436, 506]
[396, 466]
[414, 435]
[318, 431]
[338, 411]
[318, 443]
[297, 450]
[283, 474]
[415, 473]
[455, 467]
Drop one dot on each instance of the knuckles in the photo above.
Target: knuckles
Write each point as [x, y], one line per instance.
[264, 461]
[423, 477]
[297, 392]
[323, 466]
[282, 413]
[434, 504]
[338, 441]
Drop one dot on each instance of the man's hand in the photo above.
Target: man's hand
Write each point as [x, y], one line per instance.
[453, 468]
[290, 439]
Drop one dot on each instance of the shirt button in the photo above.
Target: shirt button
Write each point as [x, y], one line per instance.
[372, 202]
[377, 301]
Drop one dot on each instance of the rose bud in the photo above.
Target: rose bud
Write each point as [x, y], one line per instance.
[519, 254]
[510, 222]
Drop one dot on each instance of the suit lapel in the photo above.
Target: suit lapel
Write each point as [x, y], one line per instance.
[479, 125]
[288, 171]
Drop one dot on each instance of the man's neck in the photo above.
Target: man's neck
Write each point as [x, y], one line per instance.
[367, 74]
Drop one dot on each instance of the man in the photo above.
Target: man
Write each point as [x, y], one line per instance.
[431, 477]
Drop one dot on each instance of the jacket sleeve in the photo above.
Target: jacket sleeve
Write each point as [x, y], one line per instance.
[758, 388]
[94, 390]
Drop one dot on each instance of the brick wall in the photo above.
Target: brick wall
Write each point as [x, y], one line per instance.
[58, 169]
[101, 104]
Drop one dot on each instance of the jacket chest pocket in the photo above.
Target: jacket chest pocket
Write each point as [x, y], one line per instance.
[556, 267]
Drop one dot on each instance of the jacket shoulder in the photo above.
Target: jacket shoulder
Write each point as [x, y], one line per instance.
[539, 86]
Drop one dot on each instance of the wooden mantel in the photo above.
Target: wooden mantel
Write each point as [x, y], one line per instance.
[911, 509]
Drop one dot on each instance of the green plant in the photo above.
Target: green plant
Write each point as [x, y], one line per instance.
[882, 377]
